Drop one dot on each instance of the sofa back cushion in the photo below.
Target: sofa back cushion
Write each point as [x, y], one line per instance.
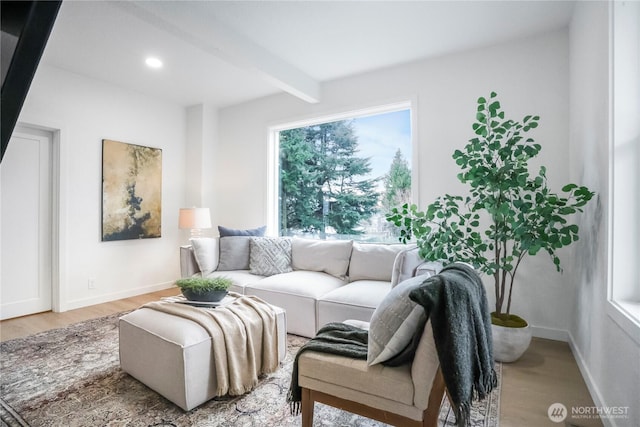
[373, 261]
[409, 264]
[329, 256]
[405, 265]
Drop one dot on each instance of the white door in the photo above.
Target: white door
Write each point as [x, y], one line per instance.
[25, 224]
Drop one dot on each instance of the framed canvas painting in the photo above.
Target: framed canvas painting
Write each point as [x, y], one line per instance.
[131, 191]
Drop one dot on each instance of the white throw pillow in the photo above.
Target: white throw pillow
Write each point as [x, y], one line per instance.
[205, 250]
[329, 256]
[269, 255]
[373, 261]
[395, 323]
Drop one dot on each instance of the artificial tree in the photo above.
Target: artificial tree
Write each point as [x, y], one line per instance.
[508, 213]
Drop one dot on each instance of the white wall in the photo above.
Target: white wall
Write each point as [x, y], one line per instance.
[201, 131]
[608, 357]
[530, 77]
[85, 111]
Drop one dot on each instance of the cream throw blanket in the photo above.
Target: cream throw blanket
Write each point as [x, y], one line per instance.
[243, 336]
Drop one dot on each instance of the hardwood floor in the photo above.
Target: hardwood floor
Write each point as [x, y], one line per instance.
[29, 325]
[547, 373]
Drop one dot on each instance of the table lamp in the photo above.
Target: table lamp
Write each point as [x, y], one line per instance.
[195, 219]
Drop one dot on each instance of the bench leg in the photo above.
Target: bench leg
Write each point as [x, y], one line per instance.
[438, 389]
[307, 408]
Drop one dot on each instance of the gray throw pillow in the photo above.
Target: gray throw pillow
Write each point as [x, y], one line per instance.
[234, 253]
[395, 323]
[269, 255]
[225, 232]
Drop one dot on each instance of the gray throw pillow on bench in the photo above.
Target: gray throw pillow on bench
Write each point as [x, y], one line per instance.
[395, 324]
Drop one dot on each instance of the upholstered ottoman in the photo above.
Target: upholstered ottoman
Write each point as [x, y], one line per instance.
[173, 355]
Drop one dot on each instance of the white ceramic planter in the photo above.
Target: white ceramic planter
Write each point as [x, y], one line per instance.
[510, 343]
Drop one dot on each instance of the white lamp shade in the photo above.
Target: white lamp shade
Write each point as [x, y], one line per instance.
[194, 218]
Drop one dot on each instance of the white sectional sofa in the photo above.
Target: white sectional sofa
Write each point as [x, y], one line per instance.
[315, 281]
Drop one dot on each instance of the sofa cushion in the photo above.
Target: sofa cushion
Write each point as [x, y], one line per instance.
[297, 292]
[373, 261]
[269, 256]
[355, 300]
[396, 324]
[363, 293]
[311, 284]
[409, 264]
[329, 256]
[225, 232]
[404, 266]
[205, 251]
[240, 279]
[234, 253]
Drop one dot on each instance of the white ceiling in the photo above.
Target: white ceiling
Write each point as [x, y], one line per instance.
[227, 52]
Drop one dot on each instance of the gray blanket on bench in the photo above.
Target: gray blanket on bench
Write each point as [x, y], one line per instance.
[455, 301]
[334, 338]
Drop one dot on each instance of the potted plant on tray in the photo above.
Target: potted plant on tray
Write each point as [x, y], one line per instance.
[507, 215]
[204, 289]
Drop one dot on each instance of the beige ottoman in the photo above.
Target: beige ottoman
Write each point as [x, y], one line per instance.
[173, 355]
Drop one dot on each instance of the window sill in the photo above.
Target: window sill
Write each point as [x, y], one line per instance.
[627, 315]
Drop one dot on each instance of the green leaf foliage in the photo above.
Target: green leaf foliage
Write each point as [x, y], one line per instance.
[508, 213]
[322, 180]
[205, 284]
[397, 183]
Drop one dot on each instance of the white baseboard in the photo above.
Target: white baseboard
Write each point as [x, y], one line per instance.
[550, 334]
[588, 379]
[565, 336]
[85, 302]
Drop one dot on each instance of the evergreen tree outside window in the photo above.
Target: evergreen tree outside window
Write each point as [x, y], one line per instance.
[338, 179]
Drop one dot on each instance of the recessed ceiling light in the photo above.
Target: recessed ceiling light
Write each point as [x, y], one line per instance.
[153, 62]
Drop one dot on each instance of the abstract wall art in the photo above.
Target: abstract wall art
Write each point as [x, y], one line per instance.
[131, 191]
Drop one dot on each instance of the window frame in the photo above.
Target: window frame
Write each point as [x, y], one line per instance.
[624, 311]
[273, 157]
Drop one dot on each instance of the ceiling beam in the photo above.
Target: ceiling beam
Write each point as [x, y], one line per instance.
[31, 23]
[194, 24]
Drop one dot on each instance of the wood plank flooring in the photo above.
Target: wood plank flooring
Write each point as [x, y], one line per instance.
[547, 373]
[29, 325]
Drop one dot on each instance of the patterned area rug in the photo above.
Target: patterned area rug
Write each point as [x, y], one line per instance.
[71, 377]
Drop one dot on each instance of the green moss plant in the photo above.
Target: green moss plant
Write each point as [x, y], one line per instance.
[204, 284]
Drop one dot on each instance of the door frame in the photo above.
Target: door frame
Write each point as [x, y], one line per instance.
[58, 211]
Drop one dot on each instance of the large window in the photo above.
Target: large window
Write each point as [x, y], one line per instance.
[625, 189]
[337, 178]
